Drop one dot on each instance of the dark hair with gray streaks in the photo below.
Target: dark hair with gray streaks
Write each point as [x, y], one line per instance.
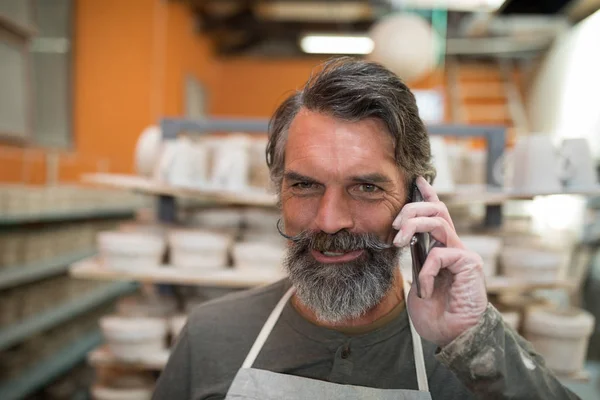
[354, 90]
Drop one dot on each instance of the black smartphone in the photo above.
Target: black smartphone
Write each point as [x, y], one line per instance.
[418, 245]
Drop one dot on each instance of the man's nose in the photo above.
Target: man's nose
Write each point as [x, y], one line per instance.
[334, 212]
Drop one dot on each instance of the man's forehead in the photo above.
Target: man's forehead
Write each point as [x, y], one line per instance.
[313, 132]
[327, 148]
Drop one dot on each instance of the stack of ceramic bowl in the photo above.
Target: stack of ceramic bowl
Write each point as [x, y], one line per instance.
[561, 336]
[488, 247]
[128, 251]
[259, 256]
[223, 220]
[261, 225]
[133, 339]
[199, 249]
[536, 264]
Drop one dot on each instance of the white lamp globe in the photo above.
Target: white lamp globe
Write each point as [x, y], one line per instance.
[406, 44]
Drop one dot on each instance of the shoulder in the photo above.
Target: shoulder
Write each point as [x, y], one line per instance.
[237, 313]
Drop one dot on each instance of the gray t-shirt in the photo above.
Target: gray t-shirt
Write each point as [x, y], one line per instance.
[219, 335]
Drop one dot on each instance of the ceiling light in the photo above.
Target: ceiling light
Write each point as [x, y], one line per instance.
[336, 44]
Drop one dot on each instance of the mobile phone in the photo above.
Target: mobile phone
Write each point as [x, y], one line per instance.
[418, 245]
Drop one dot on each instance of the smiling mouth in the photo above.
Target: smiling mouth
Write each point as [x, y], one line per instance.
[336, 256]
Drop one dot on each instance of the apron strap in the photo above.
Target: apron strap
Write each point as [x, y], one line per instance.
[266, 329]
[276, 313]
[417, 347]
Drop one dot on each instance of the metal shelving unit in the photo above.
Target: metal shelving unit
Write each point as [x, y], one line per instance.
[64, 216]
[165, 274]
[50, 368]
[18, 275]
[495, 137]
[17, 333]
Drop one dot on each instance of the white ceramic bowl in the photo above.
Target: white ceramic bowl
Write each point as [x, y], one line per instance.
[198, 249]
[560, 336]
[258, 255]
[530, 263]
[133, 339]
[218, 218]
[108, 393]
[257, 219]
[488, 247]
[130, 250]
[120, 328]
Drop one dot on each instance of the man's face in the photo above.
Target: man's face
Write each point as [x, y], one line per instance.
[340, 175]
[341, 183]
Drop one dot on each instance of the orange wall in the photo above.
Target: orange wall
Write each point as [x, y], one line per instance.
[130, 60]
[255, 87]
[113, 77]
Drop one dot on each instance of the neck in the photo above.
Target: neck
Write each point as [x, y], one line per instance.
[392, 298]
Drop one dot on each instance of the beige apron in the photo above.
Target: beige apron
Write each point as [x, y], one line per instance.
[257, 384]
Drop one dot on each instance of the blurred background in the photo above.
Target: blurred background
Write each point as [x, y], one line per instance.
[133, 184]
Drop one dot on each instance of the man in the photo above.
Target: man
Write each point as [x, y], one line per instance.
[344, 154]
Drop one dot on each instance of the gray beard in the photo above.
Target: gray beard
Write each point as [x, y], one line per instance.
[338, 292]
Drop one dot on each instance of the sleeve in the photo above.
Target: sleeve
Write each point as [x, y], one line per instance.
[174, 381]
[494, 362]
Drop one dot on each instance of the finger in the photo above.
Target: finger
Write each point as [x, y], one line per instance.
[455, 260]
[422, 209]
[427, 191]
[438, 227]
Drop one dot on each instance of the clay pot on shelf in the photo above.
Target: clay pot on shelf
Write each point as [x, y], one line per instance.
[488, 247]
[198, 249]
[561, 336]
[127, 251]
[134, 339]
[531, 263]
[258, 256]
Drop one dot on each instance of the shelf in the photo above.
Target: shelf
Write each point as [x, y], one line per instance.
[55, 316]
[64, 216]
[50, 368]
[482, 194]
[463, 194]
[580, 376]
[502, 284]
[103, 357]
[148, 186]
[19, 275]
[228, 278]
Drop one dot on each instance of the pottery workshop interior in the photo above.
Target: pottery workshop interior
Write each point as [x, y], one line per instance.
[169, 167]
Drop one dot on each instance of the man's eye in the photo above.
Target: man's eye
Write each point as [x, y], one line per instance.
[368, 188]
[304, 185]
